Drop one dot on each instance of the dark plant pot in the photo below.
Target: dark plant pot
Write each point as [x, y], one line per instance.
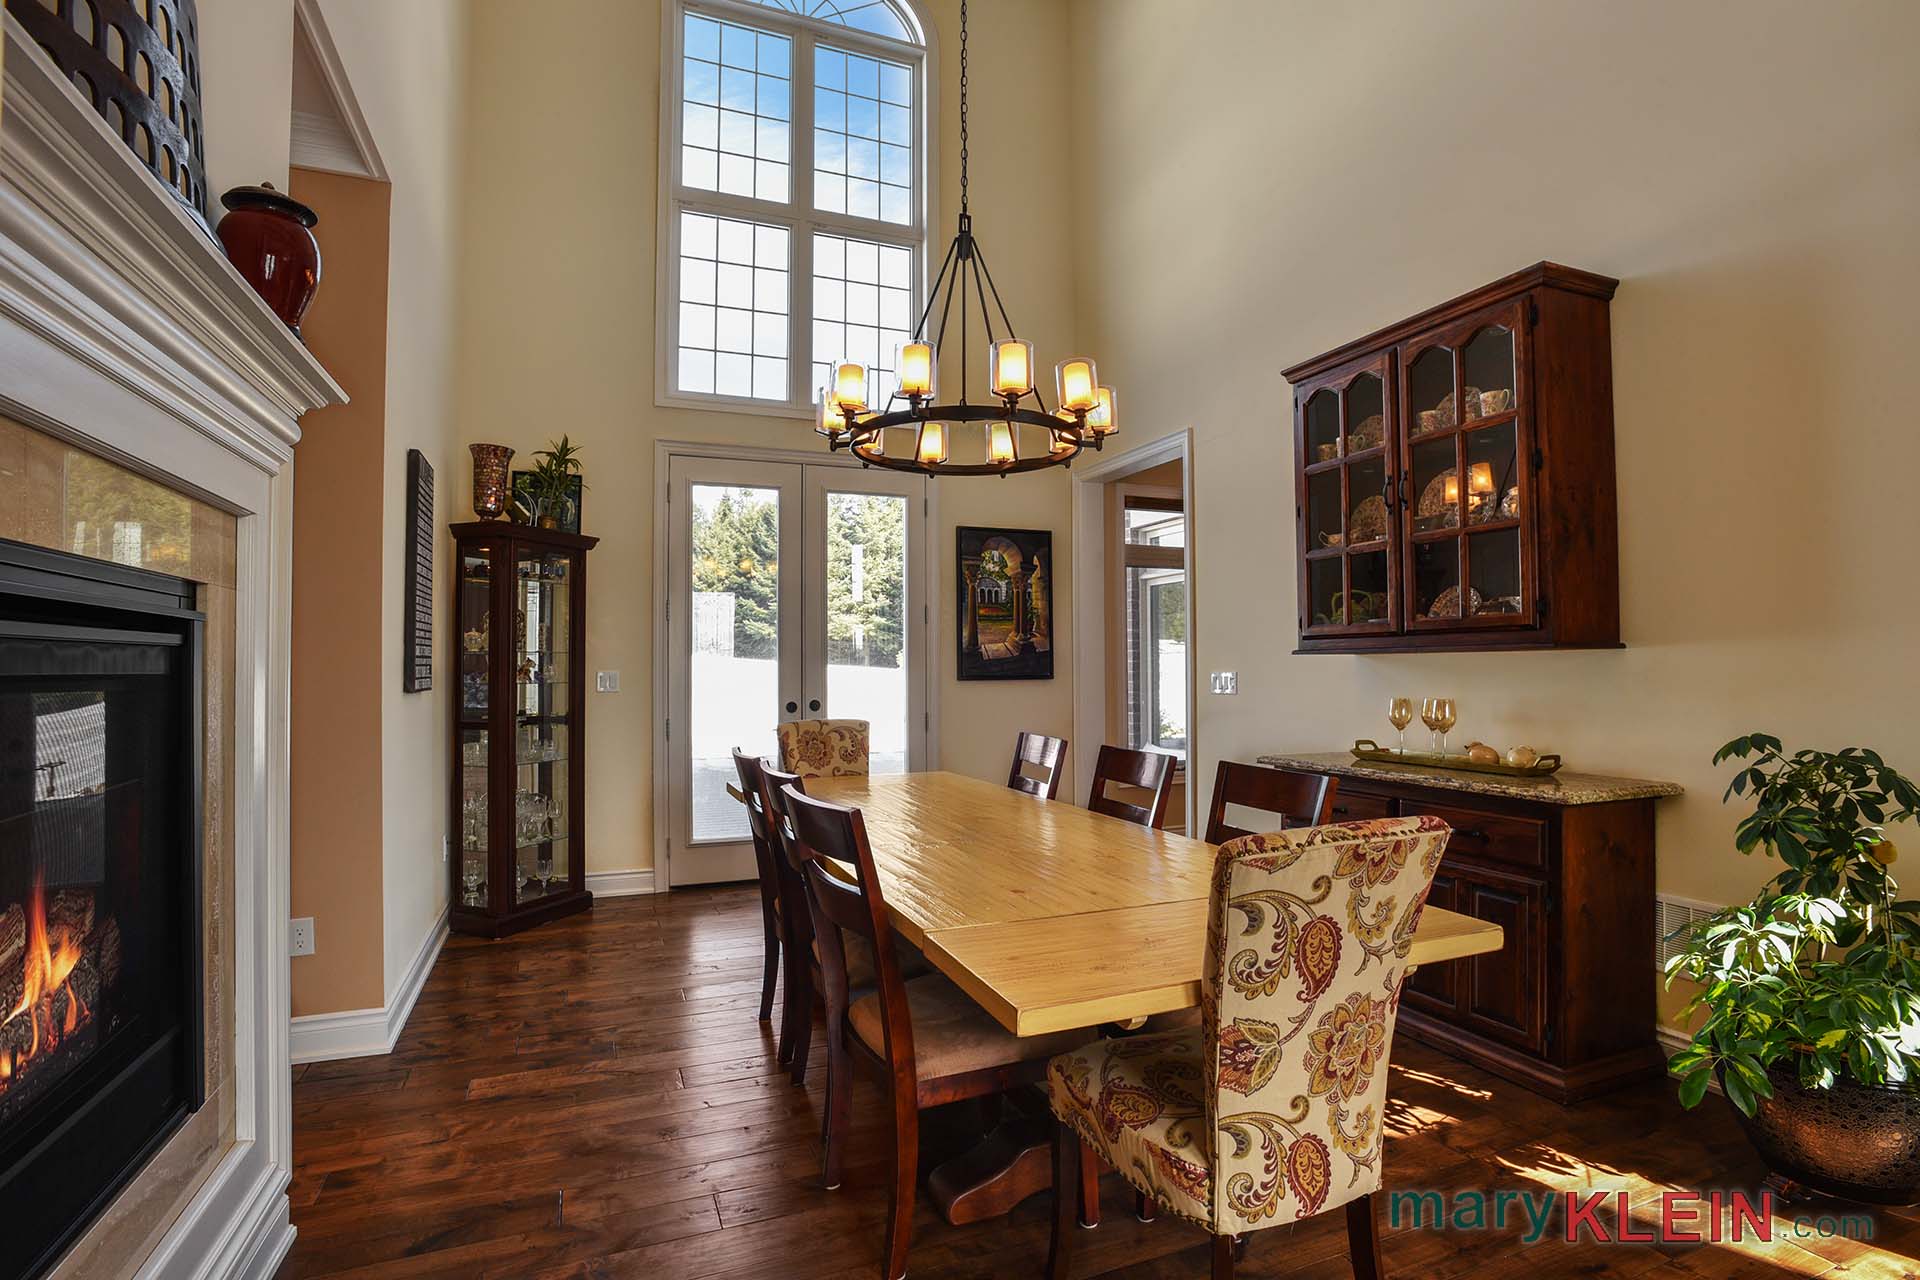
[1854, 1141]
[269, 238]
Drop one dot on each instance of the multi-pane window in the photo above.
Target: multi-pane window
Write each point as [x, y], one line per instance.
[1152, 542]
[794, 198]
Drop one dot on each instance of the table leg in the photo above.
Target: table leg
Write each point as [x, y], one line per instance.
[1011, 1163]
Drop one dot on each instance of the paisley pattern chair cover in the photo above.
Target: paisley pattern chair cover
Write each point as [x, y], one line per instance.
[823, 748]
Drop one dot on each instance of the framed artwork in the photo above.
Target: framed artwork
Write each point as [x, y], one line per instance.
[569, 520]
[416, 625]
[1005, 580]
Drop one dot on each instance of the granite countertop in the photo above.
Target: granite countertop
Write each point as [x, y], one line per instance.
[1564, 787]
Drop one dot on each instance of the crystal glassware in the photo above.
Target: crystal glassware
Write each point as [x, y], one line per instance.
[1438, 714]
[472, 873]
[1400, 715]
[543, 866]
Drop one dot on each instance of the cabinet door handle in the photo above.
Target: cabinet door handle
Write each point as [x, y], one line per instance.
[1340, 810]
[1470, 833]
[1403, 491]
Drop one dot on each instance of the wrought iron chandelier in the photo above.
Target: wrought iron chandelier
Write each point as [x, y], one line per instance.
[1085, 412]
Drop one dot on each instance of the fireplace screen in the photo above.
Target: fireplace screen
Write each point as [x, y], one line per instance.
[99, 901]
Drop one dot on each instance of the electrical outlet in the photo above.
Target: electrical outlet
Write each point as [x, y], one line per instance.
[1226, 682]
[446, 848]
[608, 682]
[300, 939]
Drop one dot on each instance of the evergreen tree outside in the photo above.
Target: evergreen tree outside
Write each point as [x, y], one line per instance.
[736, 551]
[867, 533]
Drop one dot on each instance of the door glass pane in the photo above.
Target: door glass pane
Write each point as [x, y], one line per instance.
[473, 817]
[1493, 474]
[1487, 365]
[734, 669]
[1436, 487]
[1323, 427]
[1157, 663]
[1436, 579]
[543, 637]
[1369, 598]
[867, 620]
[1326, 588]
[1430, 389]
[1323, 510]
[542, 820]
[476, 639]
[1155, 526]
[1366, 410]
[1494, 567]
[1366, 485]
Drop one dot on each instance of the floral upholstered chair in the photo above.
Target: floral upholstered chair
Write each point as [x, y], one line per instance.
[1271, 1110]
[823, 748]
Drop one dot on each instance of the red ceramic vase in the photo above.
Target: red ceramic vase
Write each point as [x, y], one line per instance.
[268, 237]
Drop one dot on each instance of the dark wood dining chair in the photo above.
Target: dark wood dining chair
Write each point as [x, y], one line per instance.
[753, 795]
[1300, 799]
[924, 1038]
[1042, 752]
[1149, 771]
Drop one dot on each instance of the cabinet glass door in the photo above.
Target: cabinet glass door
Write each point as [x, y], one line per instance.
[1466, 454]
[1349, 521]
[475, 612]
[543, 693]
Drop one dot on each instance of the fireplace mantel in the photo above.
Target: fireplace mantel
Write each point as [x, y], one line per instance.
[125, 332]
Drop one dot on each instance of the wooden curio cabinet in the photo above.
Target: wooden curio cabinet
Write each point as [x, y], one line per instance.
[1455, 480]
[519, 732]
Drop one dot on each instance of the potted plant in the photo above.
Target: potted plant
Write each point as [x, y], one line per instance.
[1811, 991]
[551, 483]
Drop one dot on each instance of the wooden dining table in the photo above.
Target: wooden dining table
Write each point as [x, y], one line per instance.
[1052, 918]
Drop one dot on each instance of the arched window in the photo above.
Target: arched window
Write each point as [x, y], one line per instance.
[794, 164]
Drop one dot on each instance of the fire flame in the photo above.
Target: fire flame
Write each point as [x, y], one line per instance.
[49, 966]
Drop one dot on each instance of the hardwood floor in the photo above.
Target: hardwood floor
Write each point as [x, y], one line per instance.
[596, 1099]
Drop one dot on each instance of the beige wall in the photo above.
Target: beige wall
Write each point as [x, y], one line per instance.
[559, 332]
[338, 640]
[1279, 178]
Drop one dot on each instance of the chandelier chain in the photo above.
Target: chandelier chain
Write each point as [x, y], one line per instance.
[963, 107]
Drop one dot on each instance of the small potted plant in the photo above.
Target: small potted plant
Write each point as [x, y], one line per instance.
[1811, 991]
[551, 483]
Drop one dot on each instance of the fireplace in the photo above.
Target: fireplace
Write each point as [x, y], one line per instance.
[100, 929]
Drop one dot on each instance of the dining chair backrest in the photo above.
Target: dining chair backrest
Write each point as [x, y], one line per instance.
[824, 748]
[788, 875]
[1308, 934]
[1042, 752]
[1149, 771]
[753, 794]
[1300, 799]
[848, 898]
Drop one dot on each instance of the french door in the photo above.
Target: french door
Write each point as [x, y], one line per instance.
[795, 592]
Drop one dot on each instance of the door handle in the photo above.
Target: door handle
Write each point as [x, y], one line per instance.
[814, 705]
[792, 707]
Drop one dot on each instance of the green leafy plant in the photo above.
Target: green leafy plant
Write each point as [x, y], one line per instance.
[1819, 974]
[551, 483]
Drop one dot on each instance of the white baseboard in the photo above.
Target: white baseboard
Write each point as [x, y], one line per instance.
[236, 1228]
[620, 884]
[363, 1033]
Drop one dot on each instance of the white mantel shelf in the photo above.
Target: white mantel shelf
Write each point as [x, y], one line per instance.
[124, 330]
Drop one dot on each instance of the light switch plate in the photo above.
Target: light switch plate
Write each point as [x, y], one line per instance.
[300, 937]
[607, 682]
[1226, 682]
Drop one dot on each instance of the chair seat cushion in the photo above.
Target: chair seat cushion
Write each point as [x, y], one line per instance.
[951, 1034]
[1137, 1101]
[860, 974]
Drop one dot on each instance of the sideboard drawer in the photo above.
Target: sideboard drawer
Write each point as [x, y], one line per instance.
[1489, 837]
[1362, 806]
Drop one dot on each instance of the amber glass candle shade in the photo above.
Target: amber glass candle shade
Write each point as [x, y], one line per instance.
[914, 365]
[933, 442]
[1075, 381]
[1011, 371]
[850, 386]
[1101, 417]
[1480, 479]
[1000, 446]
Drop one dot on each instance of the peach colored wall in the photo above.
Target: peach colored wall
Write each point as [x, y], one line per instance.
[1278, 178]
[337, 519]
[558, 334]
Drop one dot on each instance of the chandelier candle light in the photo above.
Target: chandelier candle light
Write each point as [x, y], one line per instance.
[1085, 414]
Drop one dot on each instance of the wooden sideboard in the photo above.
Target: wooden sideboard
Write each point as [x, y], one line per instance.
[1564, 865]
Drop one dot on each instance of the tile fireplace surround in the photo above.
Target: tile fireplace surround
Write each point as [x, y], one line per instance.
[132, 354]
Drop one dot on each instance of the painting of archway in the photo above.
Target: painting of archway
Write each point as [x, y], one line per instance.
[1005, 612]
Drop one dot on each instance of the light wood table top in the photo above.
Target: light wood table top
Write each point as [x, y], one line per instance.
[1051, 917]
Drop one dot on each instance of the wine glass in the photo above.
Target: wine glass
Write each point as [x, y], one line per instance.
[543, 866]
[1438, 714]
[472, 872]
[1400, 715]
